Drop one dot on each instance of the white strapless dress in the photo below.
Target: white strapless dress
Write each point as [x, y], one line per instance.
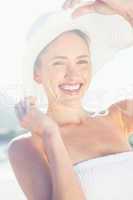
[108, 177]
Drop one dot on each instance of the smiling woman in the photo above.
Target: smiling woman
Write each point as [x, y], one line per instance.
[63, 61]
[65, 71]
[100, 51]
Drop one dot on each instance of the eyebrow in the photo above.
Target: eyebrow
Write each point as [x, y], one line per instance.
[59, 57]
[83, 56]
[64, 57]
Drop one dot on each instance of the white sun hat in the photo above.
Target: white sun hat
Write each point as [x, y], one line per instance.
[108, 35]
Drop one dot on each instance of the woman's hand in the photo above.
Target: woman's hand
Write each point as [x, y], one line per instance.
[31, 118]
[107, 7]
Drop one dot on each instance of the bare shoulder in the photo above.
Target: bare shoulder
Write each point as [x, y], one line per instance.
[22, 148]
[116, 116]
[20, 144]
[114, 108]
[29, 167]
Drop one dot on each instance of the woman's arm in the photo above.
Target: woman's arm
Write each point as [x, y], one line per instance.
[38, 179]
[66, 185]
[125, 107]
[31, 170]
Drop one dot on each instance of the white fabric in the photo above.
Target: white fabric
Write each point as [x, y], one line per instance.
[107, 178]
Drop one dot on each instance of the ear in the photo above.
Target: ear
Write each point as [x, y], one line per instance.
[37, 76]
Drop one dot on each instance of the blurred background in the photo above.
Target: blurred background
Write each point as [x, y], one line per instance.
[113, 83]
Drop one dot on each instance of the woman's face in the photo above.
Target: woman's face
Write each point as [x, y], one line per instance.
[65, 69]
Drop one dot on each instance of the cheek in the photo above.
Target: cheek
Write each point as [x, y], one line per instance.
[86, 72]
[52, 78]
[57, 75]
[87, 76]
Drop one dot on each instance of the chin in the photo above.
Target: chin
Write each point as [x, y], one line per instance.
[74, 99]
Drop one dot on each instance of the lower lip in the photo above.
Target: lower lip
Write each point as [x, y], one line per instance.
[75, 92]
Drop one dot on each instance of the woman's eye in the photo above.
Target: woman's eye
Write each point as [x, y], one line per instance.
[58, 63]
[82, 62]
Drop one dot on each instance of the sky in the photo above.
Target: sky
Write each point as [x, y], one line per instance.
[16, 17]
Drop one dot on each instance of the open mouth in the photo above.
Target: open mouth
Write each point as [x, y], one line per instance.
[71, 89]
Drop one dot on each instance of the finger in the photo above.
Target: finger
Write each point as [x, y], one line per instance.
[109, 2]
[74, 3]
[103, 8]
[86, 9]
[19, 110]
[116, 6]
[67, 4]
[30, 103]
[31, 99]
[96, 7]
[23, 105]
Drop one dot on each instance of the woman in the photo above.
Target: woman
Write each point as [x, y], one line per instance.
[69, 154]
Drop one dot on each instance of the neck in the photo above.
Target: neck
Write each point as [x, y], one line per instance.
[64, 114]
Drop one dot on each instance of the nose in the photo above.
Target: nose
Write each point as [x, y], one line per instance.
[72, 71]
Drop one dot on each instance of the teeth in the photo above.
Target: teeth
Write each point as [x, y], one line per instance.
[71, 87]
